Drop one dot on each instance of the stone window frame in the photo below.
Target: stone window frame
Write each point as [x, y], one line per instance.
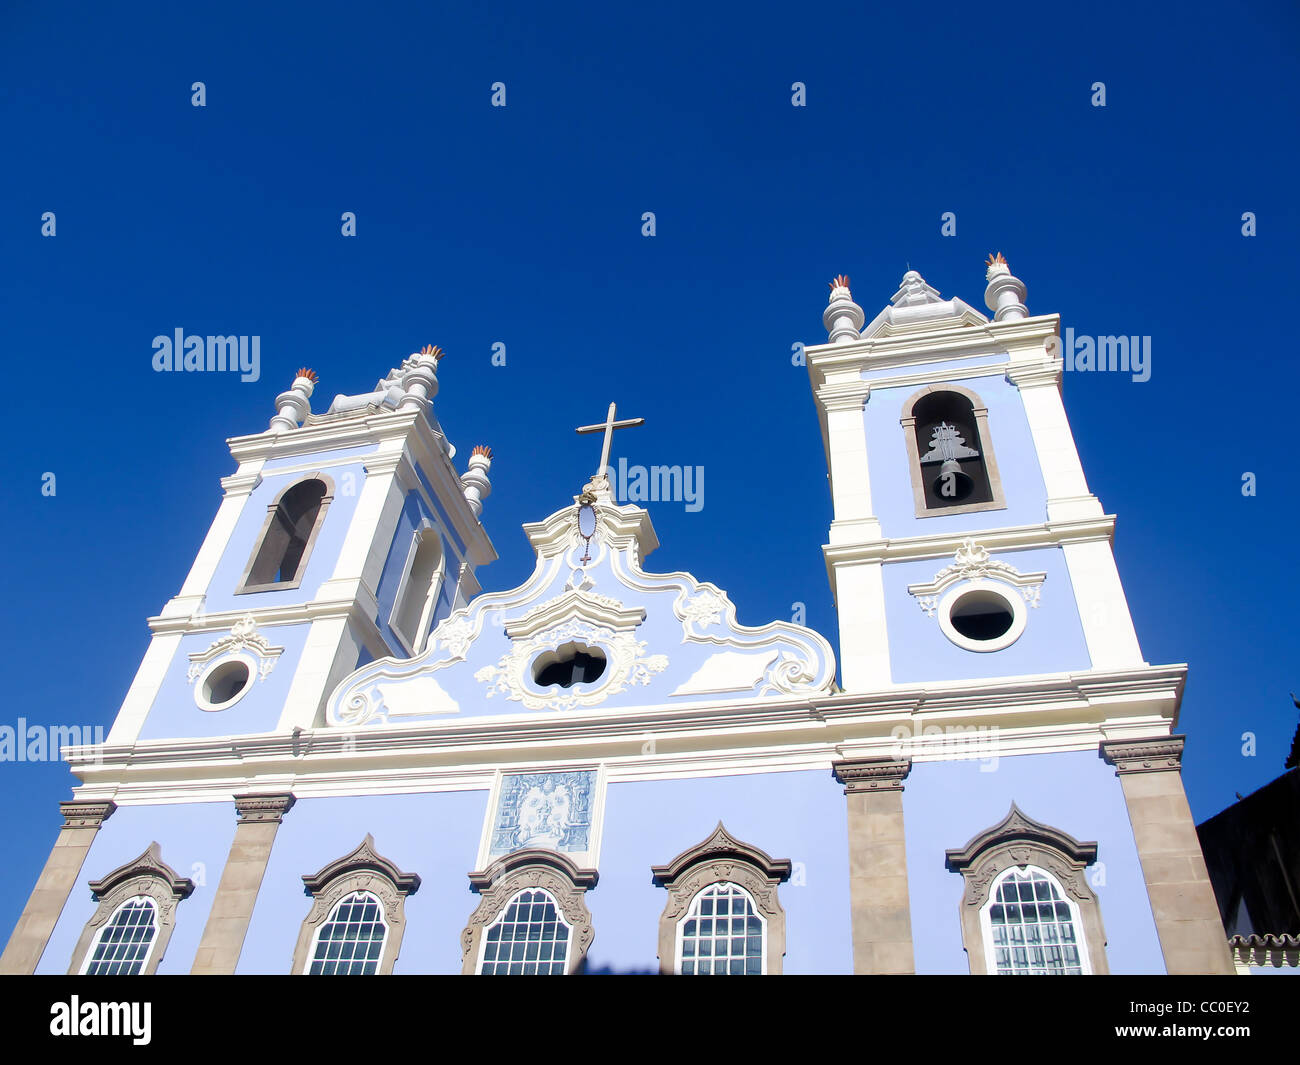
[364, 869]
[148, 876]
[981, 415]
[243, 587]
[531, 869]
[1018, 841]
[721, 858]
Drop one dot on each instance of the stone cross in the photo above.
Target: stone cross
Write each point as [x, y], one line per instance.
[607, 427]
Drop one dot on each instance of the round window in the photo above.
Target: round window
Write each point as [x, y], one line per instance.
[982, 616]
[223, 685]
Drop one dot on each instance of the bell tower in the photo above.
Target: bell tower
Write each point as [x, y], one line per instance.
[966, 542]
[343, 536]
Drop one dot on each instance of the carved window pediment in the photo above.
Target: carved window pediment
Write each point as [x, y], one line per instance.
[349, 881]
[547, 875]
[1029, 848]
[721, 859]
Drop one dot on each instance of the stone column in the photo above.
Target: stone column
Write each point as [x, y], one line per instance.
[878, 898]
[81, 821]
[1182, 901]
[241, 879]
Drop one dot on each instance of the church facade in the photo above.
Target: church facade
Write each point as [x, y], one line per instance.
[341, 755]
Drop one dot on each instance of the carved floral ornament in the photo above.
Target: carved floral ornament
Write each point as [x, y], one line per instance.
[243, 638]
[972, 562]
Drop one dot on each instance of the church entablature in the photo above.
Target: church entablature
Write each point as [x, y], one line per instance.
[589, 628]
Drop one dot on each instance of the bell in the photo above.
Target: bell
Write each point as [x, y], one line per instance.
[952, 485]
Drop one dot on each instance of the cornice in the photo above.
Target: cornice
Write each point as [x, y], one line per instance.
[934, 345]
[939, 545]
[533, 858]
[1052, 712]
[360, 606]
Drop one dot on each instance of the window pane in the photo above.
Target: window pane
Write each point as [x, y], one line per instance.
[539, 935]
[351, 940]
[722, 934]
[123, 944]
[1026, 912]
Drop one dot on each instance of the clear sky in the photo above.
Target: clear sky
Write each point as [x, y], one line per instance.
[522, 226]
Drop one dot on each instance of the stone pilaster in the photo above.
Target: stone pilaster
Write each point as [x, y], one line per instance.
[1182, 900]
[241, 879]
[878, 896]
[81, 821]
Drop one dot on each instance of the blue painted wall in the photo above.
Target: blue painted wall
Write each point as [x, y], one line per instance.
[193, 839]
[174, 712]
[1052, 642]
[433, 834]
[800, 816]
[945, 804]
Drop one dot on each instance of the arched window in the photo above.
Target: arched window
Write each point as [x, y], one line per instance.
[417, 595]
[1028, 908]
[357, 917]
[950, 452]
[351, 940]
[532, 920]
[128, 933]
[293, 522]
[1031, 928]
[125, 942]
[723, 916]
[722, 934]
[529, 938]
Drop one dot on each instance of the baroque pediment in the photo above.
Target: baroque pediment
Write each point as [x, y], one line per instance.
[665, 639]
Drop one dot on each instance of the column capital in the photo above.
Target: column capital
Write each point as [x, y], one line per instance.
[1154, 755]
[82, 814]
[871, 774]
[263, 807]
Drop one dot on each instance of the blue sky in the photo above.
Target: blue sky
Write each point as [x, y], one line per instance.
[522, 225]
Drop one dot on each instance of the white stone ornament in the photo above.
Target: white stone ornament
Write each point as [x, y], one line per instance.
[243, 637]
[972, 562]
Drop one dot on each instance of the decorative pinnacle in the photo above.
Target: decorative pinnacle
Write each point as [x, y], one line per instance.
[1005, 295]
[309, 374]
[434, 350]
[843, 318]
[482, 449]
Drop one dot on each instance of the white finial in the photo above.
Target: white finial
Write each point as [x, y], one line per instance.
[1005, 295]
[475, 482]
[420, 381]
[292, 407]
[843, 318]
